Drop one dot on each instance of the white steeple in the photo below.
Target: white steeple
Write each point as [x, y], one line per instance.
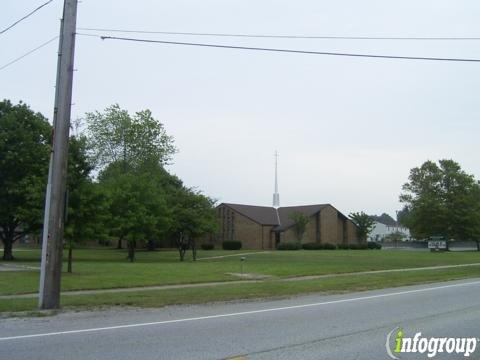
[276, 195]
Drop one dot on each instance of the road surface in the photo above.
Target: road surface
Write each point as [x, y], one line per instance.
[348, 326]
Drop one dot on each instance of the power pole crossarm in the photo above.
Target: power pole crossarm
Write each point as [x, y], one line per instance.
[51, 267]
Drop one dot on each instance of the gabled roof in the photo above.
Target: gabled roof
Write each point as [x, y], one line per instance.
[279, 218]
[285, 213]
[264, 215]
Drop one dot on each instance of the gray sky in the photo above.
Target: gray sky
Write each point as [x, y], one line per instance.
[348, 130]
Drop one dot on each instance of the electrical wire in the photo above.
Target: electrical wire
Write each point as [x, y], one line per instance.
[452, 38]
[26, 16]
[28, 53]
[289, 50]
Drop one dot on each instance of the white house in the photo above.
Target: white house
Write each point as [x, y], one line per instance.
[381, 230]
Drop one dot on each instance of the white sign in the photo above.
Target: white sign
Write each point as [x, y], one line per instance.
[437, 244]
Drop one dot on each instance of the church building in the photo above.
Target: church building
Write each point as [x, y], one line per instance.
[262, 227]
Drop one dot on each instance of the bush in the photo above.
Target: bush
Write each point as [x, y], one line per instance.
[207, 246]
[374, 245]
[316, 246]
[231, 245]
[312, 246]
[289, 246]
[328, 246]
[353, 246]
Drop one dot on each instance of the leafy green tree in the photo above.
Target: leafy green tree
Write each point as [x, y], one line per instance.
[24, 156]
[300, 222]
[193, 217]
[384, 219]
[122, 142]
[87, 212]
[364, 223]
[394, 237]
[442, 200]
[115, 136]
[137, 205]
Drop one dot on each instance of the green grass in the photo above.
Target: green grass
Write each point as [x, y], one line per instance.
[108, 268]
[266, 289]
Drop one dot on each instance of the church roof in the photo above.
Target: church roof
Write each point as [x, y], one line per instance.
[280, 218]
[285, 213]
[263, 215]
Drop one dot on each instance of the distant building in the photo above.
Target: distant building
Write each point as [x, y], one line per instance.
[263, 227]
[380, 231]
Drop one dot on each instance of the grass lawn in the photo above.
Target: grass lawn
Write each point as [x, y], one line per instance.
[108, 268]
[265, 289]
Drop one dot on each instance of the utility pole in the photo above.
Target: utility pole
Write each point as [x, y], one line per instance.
[53, 225]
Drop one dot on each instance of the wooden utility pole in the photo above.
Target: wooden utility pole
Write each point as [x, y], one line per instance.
[53, 225]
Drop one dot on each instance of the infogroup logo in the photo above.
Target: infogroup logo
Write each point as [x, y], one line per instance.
[430, 346]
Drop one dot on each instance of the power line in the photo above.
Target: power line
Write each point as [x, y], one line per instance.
[26, 16]
[449, 38]
[28, 53]
[290, 50]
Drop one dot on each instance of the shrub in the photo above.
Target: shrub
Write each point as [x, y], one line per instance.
[207, 246]
[316, 246]
[374, 245]
[328, 246]
[231, 245]
[312, 246]
[289, 246]
[353, 246]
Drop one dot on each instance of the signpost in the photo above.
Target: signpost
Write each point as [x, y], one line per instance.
[437, 243]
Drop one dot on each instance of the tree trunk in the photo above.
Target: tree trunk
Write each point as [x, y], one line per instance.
[478, 245]
[182, 253]
[131, 250]
[119, 244]
[7, 249]
[194, 250]
[70, 258]
[151, 245]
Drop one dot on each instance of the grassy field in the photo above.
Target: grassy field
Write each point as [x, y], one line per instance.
[108, 268]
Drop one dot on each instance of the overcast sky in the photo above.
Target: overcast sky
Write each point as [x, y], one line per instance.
[348, 130]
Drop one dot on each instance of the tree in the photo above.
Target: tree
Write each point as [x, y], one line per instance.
[137, 205]
[364, 223]
[394, 237]
[402, 215]
[86, 212]
[24, 156]
[193, 217]
[123, 142]
[384, 219]
[442, 200]
[300, 222]
[117, 137]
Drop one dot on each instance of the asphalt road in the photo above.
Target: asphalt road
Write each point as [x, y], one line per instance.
[349, 326]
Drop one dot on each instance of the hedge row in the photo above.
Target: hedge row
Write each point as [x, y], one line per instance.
[327, 246]
[289, 246]
[316, 246]
[231, 245]
[237, 245]
[207, 246]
